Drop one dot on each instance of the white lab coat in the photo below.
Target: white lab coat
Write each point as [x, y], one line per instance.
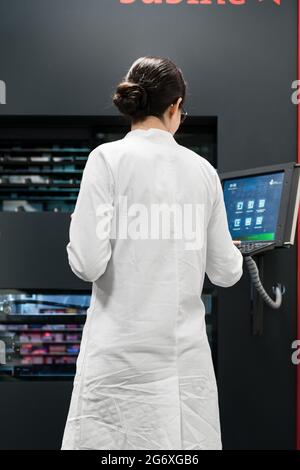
[144, 375]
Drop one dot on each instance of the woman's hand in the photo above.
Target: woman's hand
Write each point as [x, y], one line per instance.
[237, 242]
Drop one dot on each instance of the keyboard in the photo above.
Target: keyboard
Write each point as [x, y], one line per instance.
[252, 248]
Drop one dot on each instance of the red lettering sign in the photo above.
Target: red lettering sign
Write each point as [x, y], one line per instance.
[195, 2]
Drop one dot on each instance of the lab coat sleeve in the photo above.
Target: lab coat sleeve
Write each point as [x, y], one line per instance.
[224, 261]
[89, 248]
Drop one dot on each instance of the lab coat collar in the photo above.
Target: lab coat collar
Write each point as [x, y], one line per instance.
[153, 133]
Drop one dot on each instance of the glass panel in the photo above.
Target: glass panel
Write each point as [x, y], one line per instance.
[37, 350]
[40, 333]
[20, 302]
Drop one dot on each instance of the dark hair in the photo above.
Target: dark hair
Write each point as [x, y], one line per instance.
[150, 86]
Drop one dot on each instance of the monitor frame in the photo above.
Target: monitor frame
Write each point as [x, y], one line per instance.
[290, 197]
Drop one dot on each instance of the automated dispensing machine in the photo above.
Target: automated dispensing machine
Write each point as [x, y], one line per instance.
[262, 209]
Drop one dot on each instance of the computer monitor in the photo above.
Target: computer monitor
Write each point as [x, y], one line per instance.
[262, 203]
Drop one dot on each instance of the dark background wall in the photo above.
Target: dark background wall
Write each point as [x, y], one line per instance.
[64, 57]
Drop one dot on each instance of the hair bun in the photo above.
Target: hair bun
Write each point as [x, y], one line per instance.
[130, 98]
